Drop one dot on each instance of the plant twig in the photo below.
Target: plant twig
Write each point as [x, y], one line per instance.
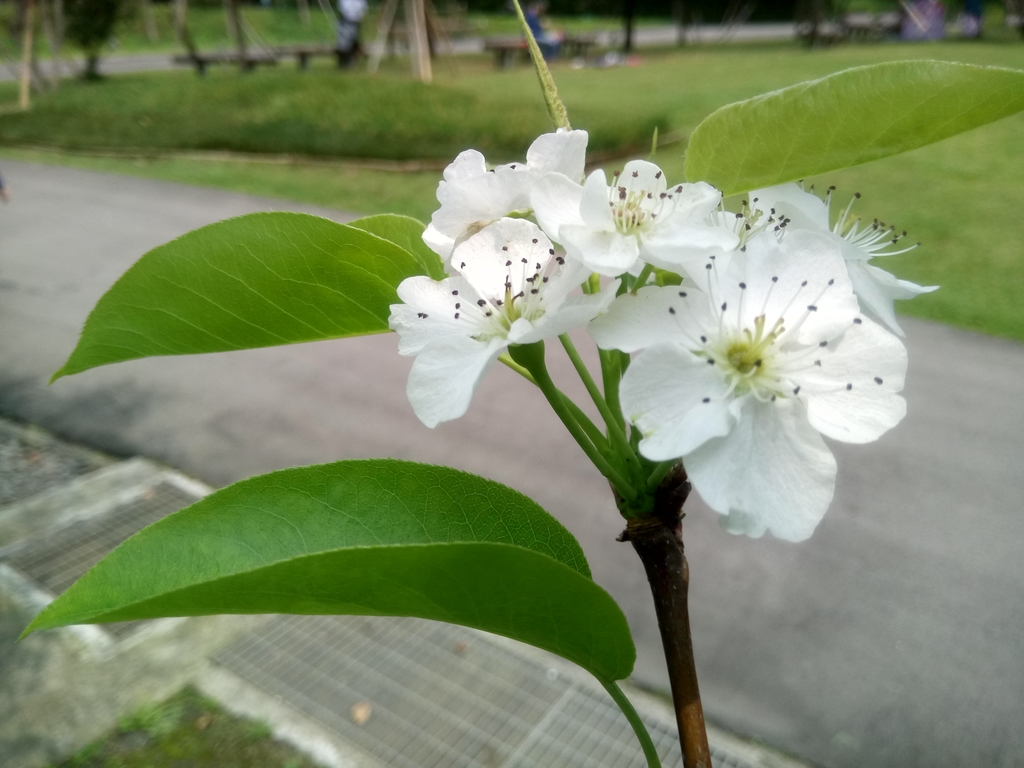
[658, 540]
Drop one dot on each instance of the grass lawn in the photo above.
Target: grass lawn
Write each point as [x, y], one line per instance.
[961, 197]
[188, 730]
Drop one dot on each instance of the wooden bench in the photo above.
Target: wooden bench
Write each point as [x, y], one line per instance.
[303, 53]
[506, 48]
[202, 60]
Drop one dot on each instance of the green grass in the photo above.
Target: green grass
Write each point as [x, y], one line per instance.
[961, 197]
[187, 730]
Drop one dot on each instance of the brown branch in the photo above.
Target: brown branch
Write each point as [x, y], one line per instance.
[658, 540]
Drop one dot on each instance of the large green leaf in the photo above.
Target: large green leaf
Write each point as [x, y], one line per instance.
[845, 119]
[377, 537]
[406, 232]
[253, 281]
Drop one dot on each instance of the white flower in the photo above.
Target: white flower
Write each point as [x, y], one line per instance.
[744, 377]
[876, 288]
[513, 289]
[609, 227]
[471, 196]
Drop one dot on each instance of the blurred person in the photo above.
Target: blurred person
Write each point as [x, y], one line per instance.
[4, 194]
[352, 13]
[970, 22]
[549, 41]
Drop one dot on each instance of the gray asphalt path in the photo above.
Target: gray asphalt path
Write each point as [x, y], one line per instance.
[894, 637]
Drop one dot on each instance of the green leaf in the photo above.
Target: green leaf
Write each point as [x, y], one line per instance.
[376, 537]
[406, 232]
[254, 281]
[845, 119]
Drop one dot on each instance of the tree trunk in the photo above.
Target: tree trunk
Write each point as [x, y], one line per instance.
[234, 16]
[149, 21]
[419, 48]
[26, 54]
[304, 17]
[180, 13]
[629, 12]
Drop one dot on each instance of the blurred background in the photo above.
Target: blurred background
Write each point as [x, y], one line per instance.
[892, 638]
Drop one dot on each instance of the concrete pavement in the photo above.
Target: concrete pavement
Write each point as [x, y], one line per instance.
[894, 637]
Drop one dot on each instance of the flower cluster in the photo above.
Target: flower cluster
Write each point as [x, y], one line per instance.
[744, 337]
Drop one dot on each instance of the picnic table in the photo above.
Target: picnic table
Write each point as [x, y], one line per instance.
[506, 48]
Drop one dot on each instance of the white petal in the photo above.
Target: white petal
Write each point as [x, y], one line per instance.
[873, 363]
[877, 289]
[555, 200]
[446, 374]
[771, 472]
[471, 198]
[594, 208]
[573, 313]
[440, 244]
[641, 174]
[428, 312]
[608, 253]
[676, 399]
[802, 257]
[788, 199]
[693, 202]
[686, 247]
[560, 152]
[468, 164]
[484, 258]
[641, 320]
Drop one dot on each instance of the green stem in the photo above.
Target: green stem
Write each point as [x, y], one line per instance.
[659, 473]
[634, 720]
[556, 109]
[641, 279]
[531, 357]
[596, 435]
[611, 375]
[504, 358]
[616, 432]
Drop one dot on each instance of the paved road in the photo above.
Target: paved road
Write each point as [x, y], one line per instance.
[645, 37]
[894, 637]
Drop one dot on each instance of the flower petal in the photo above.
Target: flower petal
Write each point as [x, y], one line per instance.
[789, 199]
[851, 396]
[676, 399]
[560, 152]
[693, 202]
[811, 273]
[428, 311]
[877, 290]
[686, 247]
[506, 252]
[641, 320]
[446, 374]
[440, 244]
[771, 472]
[642, 175]
[575, 312]
[555, 200]
[472, 197]
[594, 209]
[608, 253]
